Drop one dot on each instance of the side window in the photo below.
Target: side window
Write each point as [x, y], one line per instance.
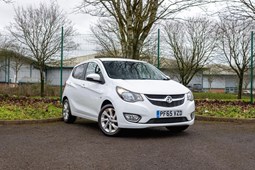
[79, 71]
[93, 68]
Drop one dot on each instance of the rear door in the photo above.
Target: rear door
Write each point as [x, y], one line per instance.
[76, 86]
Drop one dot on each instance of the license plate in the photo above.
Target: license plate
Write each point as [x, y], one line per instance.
[168, 113]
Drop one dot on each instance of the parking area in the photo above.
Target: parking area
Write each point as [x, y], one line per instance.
[206, 145]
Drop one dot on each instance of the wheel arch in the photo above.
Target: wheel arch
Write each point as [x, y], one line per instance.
[64, 98]
[105, 103]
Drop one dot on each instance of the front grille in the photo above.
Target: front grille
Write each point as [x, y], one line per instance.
[167, 120]
[165, 104]
[153, 96]
[158, 100]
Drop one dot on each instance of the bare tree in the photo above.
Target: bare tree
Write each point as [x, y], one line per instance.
[7, 1]
[191, 43]
[241, 9]
[17, 53]
[150, 48]
[135, 18]
[246, 80]
[14, 53]
[234, 43]
[2, 60]
[211, 77]
[4, 44]
[212, 73]
[39, 30]
[107, 38]
[17, 60]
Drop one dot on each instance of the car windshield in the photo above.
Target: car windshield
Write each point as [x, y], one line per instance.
[133, 70]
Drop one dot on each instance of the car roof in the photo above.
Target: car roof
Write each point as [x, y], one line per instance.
[110, 59]
[119, 59]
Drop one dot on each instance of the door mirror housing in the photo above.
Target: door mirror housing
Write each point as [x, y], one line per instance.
[94, 77]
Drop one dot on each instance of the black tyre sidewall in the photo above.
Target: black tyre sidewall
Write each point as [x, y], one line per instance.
[70, 118]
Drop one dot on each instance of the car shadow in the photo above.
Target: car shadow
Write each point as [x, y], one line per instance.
[151, 133]
[161, 132]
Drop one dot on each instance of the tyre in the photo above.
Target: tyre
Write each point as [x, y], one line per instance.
[107, 121]
[177, 129]
[66, 112]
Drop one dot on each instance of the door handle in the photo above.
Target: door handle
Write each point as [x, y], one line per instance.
[83, 85]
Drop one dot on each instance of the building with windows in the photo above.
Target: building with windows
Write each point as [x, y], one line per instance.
[217, 78]
[18, 70]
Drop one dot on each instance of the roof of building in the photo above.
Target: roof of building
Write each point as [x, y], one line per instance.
[218, 69]
[165, 64]
[71, 62]
[12, 54]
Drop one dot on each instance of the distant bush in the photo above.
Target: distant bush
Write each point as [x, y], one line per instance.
[230, 109]
[217, 96]
[21, 108]
[28, 90]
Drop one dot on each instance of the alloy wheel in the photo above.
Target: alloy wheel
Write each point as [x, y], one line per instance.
[107, 121]
[65, 110]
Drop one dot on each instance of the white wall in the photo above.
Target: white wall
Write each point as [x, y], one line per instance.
[53, 76]
[27, 73]
[218, 82]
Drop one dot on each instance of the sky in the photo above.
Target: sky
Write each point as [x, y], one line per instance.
[80, 21]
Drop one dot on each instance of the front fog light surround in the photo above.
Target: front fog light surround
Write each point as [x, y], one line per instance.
[132, 117]
[192, 115]
[190, 96]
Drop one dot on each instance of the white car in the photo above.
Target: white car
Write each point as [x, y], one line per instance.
[124, 93]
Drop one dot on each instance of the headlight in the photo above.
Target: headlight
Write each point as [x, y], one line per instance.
[128, 96]
[190, 96]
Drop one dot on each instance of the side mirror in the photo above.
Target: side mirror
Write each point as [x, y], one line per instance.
[94, 77]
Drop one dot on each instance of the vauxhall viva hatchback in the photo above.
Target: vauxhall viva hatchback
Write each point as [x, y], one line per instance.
[123, 93]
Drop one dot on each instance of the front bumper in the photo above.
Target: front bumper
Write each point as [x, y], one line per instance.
[148, 113]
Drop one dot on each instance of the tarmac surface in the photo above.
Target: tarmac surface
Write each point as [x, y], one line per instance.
[205, 145]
